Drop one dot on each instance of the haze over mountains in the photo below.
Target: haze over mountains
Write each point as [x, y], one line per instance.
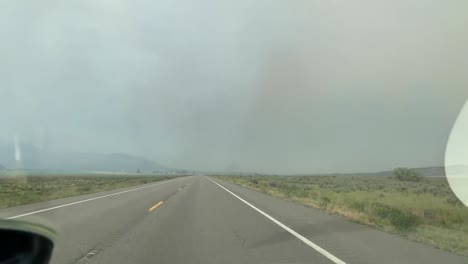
[35, 159]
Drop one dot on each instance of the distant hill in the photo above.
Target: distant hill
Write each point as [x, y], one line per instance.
[100, 162]
[2, 167]
[457, 170]
[29, 153]
[425, 172]
[33, 158]
[431, 171]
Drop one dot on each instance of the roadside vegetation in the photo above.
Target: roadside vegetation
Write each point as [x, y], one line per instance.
[421, 209]
[16, 191]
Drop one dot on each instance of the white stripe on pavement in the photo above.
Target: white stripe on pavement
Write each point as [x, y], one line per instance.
[292, 232]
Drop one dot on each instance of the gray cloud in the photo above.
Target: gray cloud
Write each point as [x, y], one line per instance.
[269, 86]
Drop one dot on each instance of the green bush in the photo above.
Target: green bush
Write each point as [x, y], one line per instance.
[273, 184]
[84, 189]
[405, 174]
[324, 202]
[402, 221]
[302, 194]
[454, 201]
[359, 206]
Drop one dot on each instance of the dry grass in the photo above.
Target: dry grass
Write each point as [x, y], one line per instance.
[16, 191]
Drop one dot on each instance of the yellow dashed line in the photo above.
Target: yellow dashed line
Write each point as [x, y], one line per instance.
[155, 206]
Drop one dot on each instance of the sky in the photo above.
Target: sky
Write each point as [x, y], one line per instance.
[254, 86]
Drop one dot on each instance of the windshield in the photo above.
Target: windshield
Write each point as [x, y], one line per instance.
[237, 131]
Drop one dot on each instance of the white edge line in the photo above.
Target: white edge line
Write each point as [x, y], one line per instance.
[291, 231]
[86, 200]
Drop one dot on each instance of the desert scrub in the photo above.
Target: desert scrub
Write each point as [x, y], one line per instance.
[32, 189]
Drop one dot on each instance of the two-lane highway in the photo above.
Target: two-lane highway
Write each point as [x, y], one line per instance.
[203, 220]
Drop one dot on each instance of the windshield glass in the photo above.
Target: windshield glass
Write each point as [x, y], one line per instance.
[237, 131]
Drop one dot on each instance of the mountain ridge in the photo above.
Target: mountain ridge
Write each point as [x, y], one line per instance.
[35, 159]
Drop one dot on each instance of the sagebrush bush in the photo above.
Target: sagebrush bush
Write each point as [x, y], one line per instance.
[357, 205]
[405, 174]
[402, 221]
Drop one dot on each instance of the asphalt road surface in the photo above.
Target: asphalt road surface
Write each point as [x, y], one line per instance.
[203, 220]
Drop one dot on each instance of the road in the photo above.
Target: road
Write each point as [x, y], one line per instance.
[199, 219]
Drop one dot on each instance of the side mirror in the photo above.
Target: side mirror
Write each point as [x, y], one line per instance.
[456, 157]
[24, 243]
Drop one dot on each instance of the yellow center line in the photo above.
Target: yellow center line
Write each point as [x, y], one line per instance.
[155, 206]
